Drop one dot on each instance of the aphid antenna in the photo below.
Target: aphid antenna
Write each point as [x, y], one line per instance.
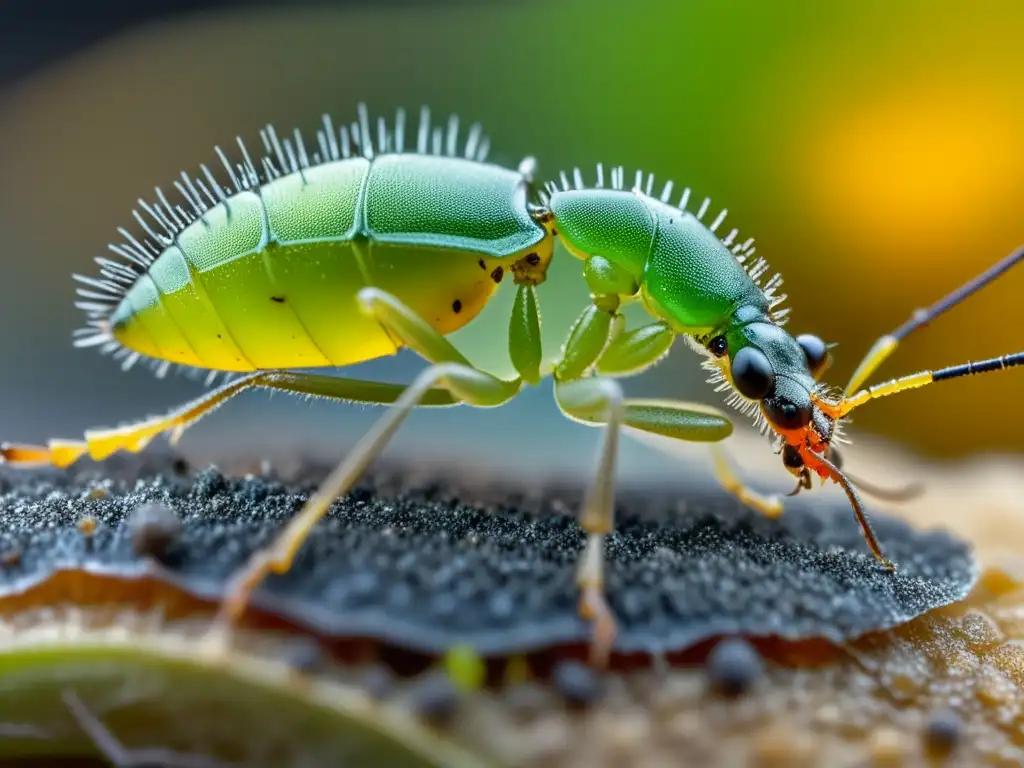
[887, 344]
[839, 410]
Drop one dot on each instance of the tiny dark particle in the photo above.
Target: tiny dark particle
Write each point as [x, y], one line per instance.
[578, 683]
[497, 274]
[482, 264]
[305, 655]
[533, 259]
[377, 681]
[434, 697]
[155, 529]
[277, 299]
[942, 733]
[179, 466]
[456, 306]
[734, 666]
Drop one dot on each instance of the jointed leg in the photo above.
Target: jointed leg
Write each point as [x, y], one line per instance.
[769, 506]
[597, 516]
[450, 371]
[468, 384]
[599, 400]
[101, 443]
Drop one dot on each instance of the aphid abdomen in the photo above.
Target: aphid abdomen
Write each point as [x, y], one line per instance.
[268, 278]
[194, 315]
[445, 231]
[318, 259]
[692, 279]
[227, 250]
[145, 323]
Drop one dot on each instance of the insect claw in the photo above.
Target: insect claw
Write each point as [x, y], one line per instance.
[594, 608]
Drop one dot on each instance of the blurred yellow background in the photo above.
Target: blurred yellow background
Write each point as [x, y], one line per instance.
[874, 149]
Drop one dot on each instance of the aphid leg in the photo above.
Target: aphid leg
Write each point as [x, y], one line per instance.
[887, 344]
[121, 757]
[603, 396]
[593, 401]
[598, 341]
[101, 443]
[769, 506]
[450, 371]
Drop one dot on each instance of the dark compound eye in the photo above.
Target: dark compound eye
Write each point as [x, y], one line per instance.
[718, 346]
[752, 373]
[814, 350]
[785, 414]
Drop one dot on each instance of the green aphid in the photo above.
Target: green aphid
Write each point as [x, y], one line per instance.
[370, 244]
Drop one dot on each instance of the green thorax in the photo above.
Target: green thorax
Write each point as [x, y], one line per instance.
[687, 275]
[692, 279]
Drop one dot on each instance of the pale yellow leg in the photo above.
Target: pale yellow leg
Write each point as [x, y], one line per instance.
[470, 385]
[101, 443]
[769, 506]
[602, 396]
[450, 371]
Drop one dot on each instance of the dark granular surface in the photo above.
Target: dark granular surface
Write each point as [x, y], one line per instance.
[422, 569]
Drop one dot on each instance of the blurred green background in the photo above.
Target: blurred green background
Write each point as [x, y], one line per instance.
[874, 149]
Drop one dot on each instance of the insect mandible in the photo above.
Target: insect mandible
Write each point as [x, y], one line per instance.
[366, 246]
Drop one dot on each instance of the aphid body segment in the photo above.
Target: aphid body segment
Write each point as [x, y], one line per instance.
[267, 277]
[364, 247]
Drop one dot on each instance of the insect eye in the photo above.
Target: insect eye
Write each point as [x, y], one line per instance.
[785, 414]
[752, 373]
[718, 346]
[814, 350]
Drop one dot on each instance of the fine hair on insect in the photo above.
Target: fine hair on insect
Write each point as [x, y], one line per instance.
[379, 236]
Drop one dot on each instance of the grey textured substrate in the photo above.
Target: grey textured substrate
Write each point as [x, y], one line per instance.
[422, 570]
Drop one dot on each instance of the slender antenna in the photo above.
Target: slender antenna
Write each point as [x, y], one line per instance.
[887, 344]
[906, 493]
[839, 410]
[983, 366]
